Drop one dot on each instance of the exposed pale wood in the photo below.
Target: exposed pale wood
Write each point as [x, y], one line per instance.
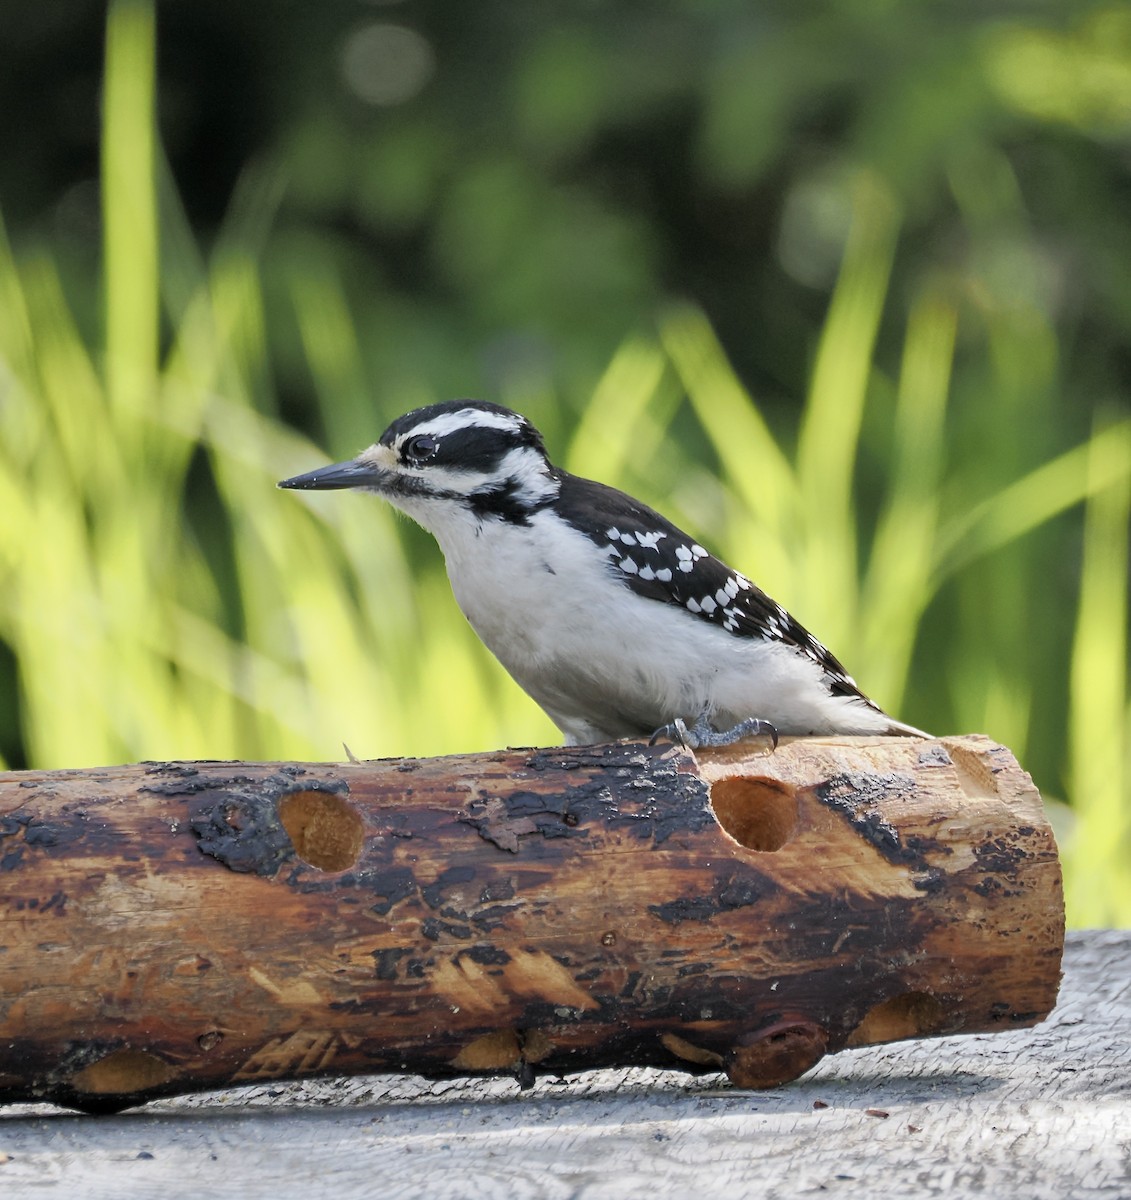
[176, 926]
[1038, 1114]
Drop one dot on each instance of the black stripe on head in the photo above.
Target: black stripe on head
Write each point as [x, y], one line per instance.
[475, 448]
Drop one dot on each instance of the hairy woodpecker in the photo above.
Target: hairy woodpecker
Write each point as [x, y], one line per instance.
[616, 622]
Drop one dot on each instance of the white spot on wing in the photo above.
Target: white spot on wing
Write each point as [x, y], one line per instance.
[664, 574]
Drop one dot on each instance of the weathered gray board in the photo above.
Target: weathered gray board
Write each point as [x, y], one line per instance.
[1042, 1112]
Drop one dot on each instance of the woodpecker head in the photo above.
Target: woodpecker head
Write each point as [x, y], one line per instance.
[452, 461]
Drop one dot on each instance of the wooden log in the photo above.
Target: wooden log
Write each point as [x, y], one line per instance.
[169, 927]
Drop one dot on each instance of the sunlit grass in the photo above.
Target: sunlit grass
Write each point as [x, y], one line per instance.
[163, 599]
[1100, 846]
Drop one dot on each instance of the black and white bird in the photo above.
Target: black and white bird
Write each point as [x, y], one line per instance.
[616, 622]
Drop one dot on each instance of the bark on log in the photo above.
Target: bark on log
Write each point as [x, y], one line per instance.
[169, 927]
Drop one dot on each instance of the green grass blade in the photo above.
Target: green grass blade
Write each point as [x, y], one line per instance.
[747, 450]
[129, 211]
[614, 431]
[897, 587]
[830, 428]
[1028, 502]
[1100, 848]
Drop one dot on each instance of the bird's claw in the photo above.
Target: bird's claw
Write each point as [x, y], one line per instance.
[702, 733]
[677, 733]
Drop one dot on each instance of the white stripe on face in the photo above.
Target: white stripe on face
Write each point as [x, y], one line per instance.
[466, 418]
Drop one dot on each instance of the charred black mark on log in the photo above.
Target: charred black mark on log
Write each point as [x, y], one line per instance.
[192, 780]
[935, 756]
[999, 855]
[550, 815]
[56, 903]
[176, 770]
[736, 890]
[32, 831]
[198, 785]
[497, 889]
[922, 846]
[487, 955]
[433, 929]
[390, 887]
[41, 833]
[652, 791]
[686, 908]
[651, 800]
[930, 881]
[433, 893]
[630, 786]
[487, 920]
[739, 891]
[633, 755]
[241, 828]
[856, 796]
[679, 804]
[385, 962]
[244, 833]
[503, 820]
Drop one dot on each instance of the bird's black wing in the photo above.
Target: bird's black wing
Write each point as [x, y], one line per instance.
[658, 560]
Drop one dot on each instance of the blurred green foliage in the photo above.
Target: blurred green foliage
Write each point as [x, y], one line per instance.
[844, 288]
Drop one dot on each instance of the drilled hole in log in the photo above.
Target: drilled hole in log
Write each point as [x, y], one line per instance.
[775, 1055]
[325, 830]
[491, 1052]
[912, 1014]
[760, 814]
[684, 1049]
[121, 1072]
[503, 1050]
[535, 1045]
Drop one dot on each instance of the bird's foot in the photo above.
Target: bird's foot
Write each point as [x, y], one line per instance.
[703, 733]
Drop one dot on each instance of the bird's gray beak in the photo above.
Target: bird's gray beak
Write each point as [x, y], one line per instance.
[352, 474]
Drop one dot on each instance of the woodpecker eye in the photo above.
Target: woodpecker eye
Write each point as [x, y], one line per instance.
[420, 448]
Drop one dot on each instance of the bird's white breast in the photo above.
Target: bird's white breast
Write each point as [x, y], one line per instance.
[605, 662]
